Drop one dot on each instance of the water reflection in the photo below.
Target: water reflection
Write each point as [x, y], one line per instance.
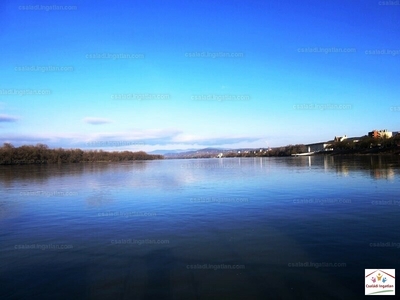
[8, 209]
[173, 174]
[90, 205]
[99, 198]
[378, 167]
[41, 174]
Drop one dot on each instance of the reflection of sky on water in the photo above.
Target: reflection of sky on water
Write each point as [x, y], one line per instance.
[169, 174]
[297, 209]
[9, 209]
[100, 183]
[378, 167]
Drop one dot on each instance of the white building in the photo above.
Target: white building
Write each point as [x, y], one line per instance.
[340, 138]
[317, 147]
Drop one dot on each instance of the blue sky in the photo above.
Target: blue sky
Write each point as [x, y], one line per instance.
[130, 75]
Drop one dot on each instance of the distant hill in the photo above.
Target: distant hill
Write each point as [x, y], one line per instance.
[200, 153]
[163, 152]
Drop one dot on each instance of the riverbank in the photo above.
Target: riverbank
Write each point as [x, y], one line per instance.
[41, 154]
[367, 152]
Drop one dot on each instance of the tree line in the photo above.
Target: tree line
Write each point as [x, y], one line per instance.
[41, 154]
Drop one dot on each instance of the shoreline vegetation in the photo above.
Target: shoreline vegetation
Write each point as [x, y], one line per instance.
[41, 154]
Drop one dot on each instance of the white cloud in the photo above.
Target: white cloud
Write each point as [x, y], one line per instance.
[7, 118]
[96, 121]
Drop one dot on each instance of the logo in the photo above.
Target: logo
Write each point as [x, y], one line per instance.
[380, 282]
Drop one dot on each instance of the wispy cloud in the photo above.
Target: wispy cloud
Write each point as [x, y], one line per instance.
[211, 141]
[134, 139]
[120, 140]
[7, 118]
[96, 121]
[146, 136]
[52, 140]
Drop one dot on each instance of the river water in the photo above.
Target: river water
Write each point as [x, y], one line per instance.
[239, 228]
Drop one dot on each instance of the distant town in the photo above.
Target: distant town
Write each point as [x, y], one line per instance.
[375, 142]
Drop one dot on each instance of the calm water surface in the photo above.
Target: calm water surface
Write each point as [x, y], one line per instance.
[253, 228]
